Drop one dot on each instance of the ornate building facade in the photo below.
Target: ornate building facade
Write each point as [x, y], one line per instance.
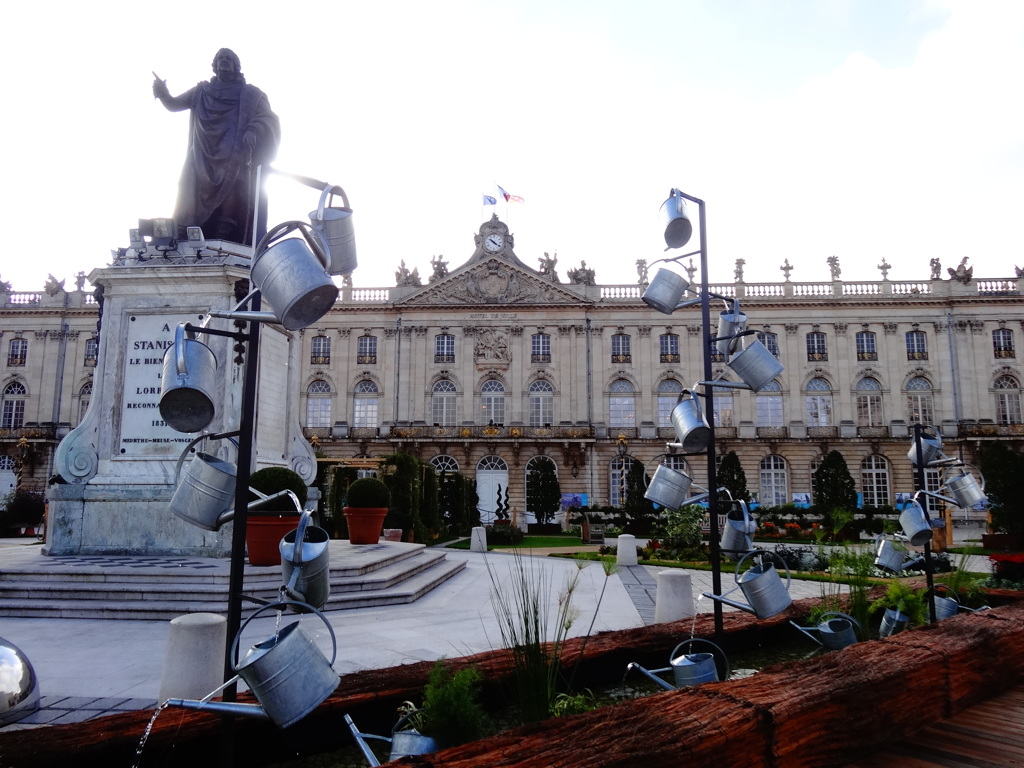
[492, 366]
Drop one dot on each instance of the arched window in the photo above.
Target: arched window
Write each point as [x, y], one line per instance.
[541, 403]
[320, 351]
[365, 401]
[492, 402]
[444, 463]
[84, 397]
[678, 463]
[621, 404]
[818, 403]
[442, 403]
[14, 405]
[617, 471]
[668, 396]
[769, 405]
[869, 402]
[1007, 400]
[533, 482]
[318, 404]
[874, 480]
[919, 401]
[773, 481]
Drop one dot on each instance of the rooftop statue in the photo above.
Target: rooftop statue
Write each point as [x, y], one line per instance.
[231, 131]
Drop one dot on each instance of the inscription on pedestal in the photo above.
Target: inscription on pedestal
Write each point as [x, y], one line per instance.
[144, 434]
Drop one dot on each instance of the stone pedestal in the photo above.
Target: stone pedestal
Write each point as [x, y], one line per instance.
[626, 554]
[675, 596]
[118, 467]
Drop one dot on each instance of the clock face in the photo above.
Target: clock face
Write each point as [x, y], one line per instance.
[494, 242]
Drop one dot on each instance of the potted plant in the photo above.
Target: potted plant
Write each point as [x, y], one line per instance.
[268, 523]
[451, 713]
[366, 506]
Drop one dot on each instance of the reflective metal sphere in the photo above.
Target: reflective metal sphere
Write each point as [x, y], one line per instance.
[19, 686]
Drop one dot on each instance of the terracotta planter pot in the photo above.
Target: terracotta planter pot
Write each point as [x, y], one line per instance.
[365, 524]
[263, 534]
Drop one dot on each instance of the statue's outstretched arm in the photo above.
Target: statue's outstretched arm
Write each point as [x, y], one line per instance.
[171, 103]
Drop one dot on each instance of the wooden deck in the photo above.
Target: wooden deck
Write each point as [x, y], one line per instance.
[987, 735]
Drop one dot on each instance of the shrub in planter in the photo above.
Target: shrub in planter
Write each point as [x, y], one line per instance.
[22, 508]
[366, 506]
[268, 523]
[503, 534]
[271, 480]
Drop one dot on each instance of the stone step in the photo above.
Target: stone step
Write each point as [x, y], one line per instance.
[159, 588]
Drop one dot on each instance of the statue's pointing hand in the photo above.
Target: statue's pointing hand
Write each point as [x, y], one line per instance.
[160, 88]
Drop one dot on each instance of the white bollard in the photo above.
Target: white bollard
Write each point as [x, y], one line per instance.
[627, 550]
[194, 662]
[675, 596]
[478, 540]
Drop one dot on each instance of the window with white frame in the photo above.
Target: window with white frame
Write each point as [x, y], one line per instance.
[540, 348]
[917, 345]
[668, 343]
[444, 348]
[874, 480]
[318, 404]
[770, 340]
[92, 349]
[1002, 343]
[668, 396]
[365, 404]
[621, 404]
[817, 348]
[723, 405]
[444, 463]
[541, 403]
[366, 350]
[1007, 400]
[17, 352]
[818, 403]
[320, 350]
[621, 351]
[14, 406]
[618, 470]
[869, 402]
[773, 482]
[442, 403]
[492, 402]
[866, 349]
[769, 405]
[919, 401]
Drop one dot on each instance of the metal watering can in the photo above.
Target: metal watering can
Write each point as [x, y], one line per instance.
[292, 275]
[946, 607]
[737, 534]
[893, 622]
[403, 742]
[287, 674]
[965, 489]
[188, 383]
[762, 587]
[915, 524]
[205, 496]
[335, 224]
[931, 446]
[730, 322]
[306, 563]
[888, 558]
[692, 430]
[669, 487]
[665, 291]
[689, 668]
[834, 632]
[755, 364]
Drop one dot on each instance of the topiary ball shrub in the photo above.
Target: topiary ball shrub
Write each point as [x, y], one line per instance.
[271, 480]
[368, 493]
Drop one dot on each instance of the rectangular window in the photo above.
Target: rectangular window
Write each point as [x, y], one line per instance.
[321, 351]
[92, 347]
[819, 410]
[622, 411]
[816, 348]
[669, 344]
[541, 410]
[917, 345]
[366, 350]
[1002, 343]
[540, 348]
[318, 412]
[443, 410]
[869, 411]
[444, 348]
[621, 348]
[866, 349]
[769, 410]
[365, 412]
[723, 410]
[18, 353]
[13, 414]
[770, 340]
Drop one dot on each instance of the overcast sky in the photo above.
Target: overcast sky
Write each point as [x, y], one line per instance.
[870, 130]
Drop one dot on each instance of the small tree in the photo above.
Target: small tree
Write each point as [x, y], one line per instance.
[402, 474]
[1003, 469]
[835, 494]
[730, 476]
[543, 493]
[635, 506]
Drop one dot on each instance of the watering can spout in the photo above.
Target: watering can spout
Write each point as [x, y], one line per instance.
[221, 707]
[733, 603]
[807, 631]
[650, 674]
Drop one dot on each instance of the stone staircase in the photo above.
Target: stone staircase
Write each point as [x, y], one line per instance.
[162, 587]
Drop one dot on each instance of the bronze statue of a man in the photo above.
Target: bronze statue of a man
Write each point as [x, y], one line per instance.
[231, 131]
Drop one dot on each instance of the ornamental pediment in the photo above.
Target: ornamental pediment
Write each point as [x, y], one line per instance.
[493, 281]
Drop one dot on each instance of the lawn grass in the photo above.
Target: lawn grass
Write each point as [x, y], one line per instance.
[531, 542]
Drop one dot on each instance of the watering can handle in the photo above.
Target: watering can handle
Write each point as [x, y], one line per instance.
[181, 459]
[332, 191]
[312, 236]
[300, 536]
[233, 656]
[843, 616]
[179, 349]
[692, 640]
[764, 551]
